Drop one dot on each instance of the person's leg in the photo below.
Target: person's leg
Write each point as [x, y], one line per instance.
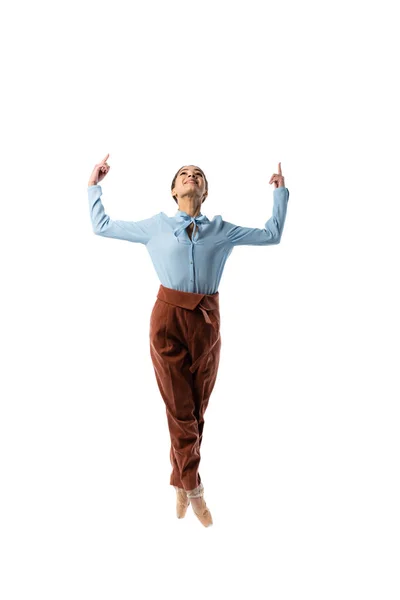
[204, 379]
[172, 362]
[205, 347]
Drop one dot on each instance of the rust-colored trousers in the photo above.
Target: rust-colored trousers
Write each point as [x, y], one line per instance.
[185, 346]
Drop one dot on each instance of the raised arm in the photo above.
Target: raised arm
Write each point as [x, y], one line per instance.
[131, 231]
[272, 232]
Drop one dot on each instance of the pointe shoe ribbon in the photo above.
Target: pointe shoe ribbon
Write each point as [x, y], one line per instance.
[197, 492]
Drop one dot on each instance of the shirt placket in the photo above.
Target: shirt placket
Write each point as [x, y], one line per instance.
[191, 265]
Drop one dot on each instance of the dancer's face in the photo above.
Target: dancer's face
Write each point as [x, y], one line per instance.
[190, 184]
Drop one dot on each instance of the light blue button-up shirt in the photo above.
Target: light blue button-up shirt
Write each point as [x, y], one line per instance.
[181, 263]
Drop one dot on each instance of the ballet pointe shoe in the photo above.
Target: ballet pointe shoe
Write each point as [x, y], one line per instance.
[203, 514]
[182, 502]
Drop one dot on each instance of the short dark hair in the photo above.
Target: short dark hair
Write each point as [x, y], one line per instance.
[176, 175]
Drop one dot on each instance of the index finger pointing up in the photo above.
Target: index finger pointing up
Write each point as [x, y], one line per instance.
[279, 169]
[105, 158]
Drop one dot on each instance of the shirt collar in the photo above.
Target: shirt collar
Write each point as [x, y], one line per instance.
[182, 213]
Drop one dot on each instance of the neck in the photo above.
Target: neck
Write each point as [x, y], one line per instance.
[191, 208]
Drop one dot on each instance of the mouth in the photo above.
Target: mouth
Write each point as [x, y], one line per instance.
[191, 181]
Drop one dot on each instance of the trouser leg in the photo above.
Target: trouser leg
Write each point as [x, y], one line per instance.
[204, 380]
[178, 337]
[171, 362]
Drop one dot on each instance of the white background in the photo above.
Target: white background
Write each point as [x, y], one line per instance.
[300, 456]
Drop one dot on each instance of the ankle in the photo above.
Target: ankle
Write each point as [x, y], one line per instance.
[197, 492]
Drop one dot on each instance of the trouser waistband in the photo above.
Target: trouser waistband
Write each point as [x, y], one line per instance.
[190, 300]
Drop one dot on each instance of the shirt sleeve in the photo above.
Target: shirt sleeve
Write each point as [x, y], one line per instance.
[131, 231]
[272, 232]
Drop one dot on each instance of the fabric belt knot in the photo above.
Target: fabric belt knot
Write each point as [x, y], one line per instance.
[206, 317]
[206, 305]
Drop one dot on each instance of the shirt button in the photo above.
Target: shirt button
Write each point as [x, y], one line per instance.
[191, 262]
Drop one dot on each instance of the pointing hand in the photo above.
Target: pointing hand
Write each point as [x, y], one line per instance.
[277, 179]
[100, 171]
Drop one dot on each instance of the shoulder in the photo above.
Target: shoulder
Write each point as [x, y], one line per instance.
[163, 217]
[216, 219]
